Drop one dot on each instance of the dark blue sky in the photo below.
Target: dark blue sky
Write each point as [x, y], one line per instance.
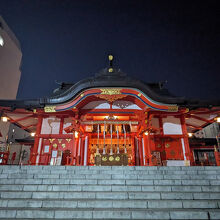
[68, 40]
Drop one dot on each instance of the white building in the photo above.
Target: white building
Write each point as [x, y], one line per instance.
[10, 62]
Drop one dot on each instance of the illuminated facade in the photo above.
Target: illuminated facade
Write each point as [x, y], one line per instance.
[112, 119]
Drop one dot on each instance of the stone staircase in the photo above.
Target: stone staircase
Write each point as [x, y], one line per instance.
[59, 192]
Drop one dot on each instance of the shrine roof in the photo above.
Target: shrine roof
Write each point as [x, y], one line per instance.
[108, 77]
[116, 78]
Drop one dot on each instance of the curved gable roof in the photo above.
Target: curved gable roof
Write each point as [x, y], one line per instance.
[107, 78]
[113, 79]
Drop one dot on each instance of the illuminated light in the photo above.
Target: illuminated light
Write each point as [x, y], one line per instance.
[106, 117]
[4, 119]
[190, 134]
[76, 134]
[146, 133]
[13, 130]
[32, 134]
[218, 119]
[115, 117]
[110, 57]
[110, 70]
[1, 41]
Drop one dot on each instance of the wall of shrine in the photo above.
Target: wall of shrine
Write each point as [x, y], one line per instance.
[54, 142]
[172, 125]
[50, 125]
[168, 140]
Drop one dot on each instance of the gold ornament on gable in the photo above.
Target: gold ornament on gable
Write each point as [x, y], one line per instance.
[68, 140]
[172, 108]
[110, 91]
[49, 109]
[51, 140]
[111, 95]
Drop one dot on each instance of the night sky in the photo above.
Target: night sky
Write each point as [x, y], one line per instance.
[68, 40]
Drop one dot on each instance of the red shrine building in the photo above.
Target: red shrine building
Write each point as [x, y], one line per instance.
[113, 119]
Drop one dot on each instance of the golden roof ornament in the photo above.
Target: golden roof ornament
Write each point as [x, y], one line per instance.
[110, 58]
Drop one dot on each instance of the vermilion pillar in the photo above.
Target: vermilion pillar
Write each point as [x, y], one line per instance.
[36, 141]
[85, 163]
[140, 151]
[79, 149]
[217, 156]
[148, 149]
[82, 151]
[61, 125]
[137, 154]
[76, 141]
[185, 138]
[144, 150]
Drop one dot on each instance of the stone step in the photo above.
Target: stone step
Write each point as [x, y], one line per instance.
[113, 176]
[75, 170]
[108, 214]
[107, 168]
[110, 195]
[108, 187]
[100, 203]
[46, 181]
[134, 176]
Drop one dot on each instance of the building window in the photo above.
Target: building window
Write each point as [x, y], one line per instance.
[1, 41]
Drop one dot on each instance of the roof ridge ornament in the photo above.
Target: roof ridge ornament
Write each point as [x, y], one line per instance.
[111, 71]
[110, 58]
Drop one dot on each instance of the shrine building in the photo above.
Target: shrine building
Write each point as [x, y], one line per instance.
[113, 119]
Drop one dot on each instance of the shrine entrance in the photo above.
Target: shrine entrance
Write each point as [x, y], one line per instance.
[111, 145]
